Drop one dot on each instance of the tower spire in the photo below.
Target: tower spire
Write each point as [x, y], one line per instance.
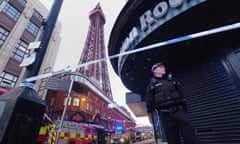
[94, 49]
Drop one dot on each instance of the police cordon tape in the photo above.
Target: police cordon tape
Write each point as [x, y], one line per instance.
[156, 45]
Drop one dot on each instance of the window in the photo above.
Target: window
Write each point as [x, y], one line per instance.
[69, 101]
[3, 36]
[23, 2]
[11, 11]
[76, 102]
[32, 28]
[97, 111]
[38, 15]
[8, 79]
[20, 51]
[89, 107]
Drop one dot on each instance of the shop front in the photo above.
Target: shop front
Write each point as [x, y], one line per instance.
[198, 40]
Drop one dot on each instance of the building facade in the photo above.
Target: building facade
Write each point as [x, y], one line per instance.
[21, 23]
[198, 40]
[90, 100]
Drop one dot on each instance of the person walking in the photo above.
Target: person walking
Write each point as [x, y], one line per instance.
[164, 96]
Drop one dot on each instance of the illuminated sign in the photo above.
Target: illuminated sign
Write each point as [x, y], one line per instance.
[151, 19]
[77, 116]
[148, 19]
[97, 119]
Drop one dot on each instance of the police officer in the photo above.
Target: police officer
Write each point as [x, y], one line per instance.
[164, 96]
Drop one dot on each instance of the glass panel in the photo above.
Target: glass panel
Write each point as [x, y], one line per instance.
[11, 11]
[31, 27]
[20, 51]
[8, 79]
[38, 15]
[76, 102]
[23, 2]
[3, 36]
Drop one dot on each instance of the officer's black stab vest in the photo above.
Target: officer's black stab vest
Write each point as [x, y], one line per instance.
[165, 91]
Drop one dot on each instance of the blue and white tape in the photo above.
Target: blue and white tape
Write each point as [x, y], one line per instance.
[152, 46]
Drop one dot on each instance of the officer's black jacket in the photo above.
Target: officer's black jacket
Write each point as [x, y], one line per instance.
[162, 93]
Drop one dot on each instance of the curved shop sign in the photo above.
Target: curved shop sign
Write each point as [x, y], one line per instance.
[151, 19]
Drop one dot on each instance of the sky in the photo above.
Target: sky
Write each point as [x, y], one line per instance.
[74, 17]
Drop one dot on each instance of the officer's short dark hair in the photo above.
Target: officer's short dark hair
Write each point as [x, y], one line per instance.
[156, 65]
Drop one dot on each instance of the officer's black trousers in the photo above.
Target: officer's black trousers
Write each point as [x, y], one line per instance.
[175, 124]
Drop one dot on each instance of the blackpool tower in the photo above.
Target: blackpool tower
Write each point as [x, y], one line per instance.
[94, 49]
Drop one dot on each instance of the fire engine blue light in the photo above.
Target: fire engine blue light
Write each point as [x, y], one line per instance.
[119, 127]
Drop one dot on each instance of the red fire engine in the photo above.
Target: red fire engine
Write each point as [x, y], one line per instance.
[71, 132]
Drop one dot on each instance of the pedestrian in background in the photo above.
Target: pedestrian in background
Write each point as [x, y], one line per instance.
[164, 96]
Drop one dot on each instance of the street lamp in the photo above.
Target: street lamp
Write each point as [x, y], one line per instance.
[22, 110]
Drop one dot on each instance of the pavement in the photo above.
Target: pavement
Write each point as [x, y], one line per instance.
[150, 141]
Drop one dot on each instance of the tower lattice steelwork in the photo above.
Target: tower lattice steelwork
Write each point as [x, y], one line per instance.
[94, 49]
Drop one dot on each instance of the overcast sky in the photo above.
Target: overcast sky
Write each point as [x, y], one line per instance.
[74, 17]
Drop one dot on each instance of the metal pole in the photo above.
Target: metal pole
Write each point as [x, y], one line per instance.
[65, 108]
[154, 126]
[32, 70]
